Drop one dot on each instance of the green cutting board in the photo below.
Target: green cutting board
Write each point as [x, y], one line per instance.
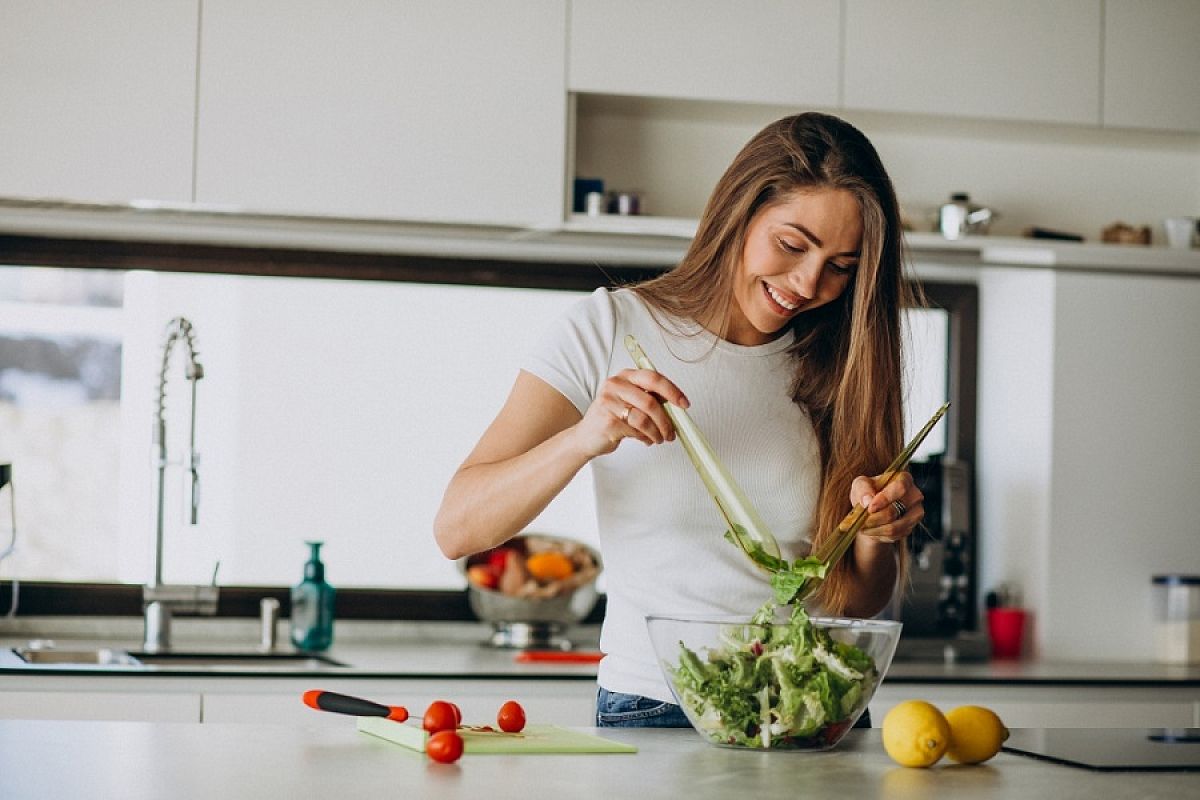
[534, 739]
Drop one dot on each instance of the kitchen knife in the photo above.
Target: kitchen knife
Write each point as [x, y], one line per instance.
[355, 706]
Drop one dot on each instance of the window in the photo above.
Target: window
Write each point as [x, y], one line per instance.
[329, 409]
[60, 393]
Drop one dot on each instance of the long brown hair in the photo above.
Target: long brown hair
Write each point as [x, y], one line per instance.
[846, 353]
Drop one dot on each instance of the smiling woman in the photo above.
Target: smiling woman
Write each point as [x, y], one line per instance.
[787, 268]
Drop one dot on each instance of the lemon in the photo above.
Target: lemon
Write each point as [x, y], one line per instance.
[976, 734]
[915, 734]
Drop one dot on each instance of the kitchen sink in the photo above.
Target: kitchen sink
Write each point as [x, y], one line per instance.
[255, 659]
[248, 660]
[103, 656]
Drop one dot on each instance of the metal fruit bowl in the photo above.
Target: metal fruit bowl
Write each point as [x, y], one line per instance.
[536, 621]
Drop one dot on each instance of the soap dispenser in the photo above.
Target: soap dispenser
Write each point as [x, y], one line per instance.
[312, 606]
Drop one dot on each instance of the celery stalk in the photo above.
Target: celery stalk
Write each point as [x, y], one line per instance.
[746, 528]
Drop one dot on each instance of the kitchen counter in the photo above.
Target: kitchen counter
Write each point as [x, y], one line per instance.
[414, 663]
[166, 760]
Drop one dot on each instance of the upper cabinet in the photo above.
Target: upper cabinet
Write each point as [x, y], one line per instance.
[453, 111]
[1152, 64]
[764, 51]
[97, 100]
[1018, 60]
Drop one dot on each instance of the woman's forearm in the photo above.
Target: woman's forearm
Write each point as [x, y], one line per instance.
[875, 570]
[488, 503]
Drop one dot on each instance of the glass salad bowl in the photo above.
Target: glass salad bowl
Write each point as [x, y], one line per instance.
[780, 680]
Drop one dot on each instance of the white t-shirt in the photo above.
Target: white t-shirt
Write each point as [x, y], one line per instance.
[661, 534]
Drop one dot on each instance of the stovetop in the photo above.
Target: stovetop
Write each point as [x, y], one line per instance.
[1111, 749]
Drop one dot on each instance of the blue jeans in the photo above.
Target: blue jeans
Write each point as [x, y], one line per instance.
[618, 710]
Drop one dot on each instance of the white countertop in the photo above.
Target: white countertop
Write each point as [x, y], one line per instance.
[130, 760]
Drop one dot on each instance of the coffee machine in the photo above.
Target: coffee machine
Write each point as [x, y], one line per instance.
[938, 604]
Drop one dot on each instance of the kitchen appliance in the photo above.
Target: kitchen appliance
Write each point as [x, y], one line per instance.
[1110, 749]
[960, 217]
[938, 603]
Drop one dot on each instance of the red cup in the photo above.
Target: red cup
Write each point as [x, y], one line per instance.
[1006, 626]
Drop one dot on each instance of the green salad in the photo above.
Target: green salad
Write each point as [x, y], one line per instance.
[774, 685]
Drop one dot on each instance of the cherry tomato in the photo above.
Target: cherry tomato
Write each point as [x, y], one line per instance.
[445, 747]
[511, 717]
[457, 714]
[439, 716]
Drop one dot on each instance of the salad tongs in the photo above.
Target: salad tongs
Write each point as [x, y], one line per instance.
[792, 581]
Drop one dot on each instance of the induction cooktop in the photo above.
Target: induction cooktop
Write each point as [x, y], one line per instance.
[1110, 749]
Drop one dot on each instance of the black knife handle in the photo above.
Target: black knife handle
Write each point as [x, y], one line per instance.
[355, 706]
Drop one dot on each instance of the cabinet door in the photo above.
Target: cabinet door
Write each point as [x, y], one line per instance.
[450, 111]
[1152, 64]
[1020, 60]
[101, 705]
[769, 51]
[97, 99]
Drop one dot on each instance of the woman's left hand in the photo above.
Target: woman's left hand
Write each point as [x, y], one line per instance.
[893, 511]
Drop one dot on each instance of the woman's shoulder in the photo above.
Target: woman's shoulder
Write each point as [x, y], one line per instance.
[609, 307]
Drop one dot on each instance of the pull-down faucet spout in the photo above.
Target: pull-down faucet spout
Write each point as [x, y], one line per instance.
[178, 328]
[161, 601]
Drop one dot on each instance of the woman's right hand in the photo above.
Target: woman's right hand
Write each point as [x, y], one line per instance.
[629, 405]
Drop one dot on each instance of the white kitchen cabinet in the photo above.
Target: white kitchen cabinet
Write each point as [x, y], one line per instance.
[136, 706]
[1049, 706]
[766, 51]
[1152, 64]
[449, 111]
[554, 702]
[1020, 60]
[97, 99]
[1126, 448]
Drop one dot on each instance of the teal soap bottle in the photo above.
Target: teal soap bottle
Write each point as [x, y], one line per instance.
[312, 606]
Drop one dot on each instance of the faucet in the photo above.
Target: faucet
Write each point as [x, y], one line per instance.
[161, 601]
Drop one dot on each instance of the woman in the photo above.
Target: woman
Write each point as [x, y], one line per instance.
[781, 326]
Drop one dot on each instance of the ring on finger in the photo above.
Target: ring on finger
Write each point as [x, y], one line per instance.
[625, 413]
[901, 509]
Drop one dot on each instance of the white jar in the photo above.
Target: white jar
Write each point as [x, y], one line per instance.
[1177, 618]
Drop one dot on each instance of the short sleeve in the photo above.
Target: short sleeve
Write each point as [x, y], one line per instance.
[574, 354]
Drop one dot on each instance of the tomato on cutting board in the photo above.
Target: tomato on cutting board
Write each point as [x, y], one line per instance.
[511, 718]
[445, 747]
[441, 716]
